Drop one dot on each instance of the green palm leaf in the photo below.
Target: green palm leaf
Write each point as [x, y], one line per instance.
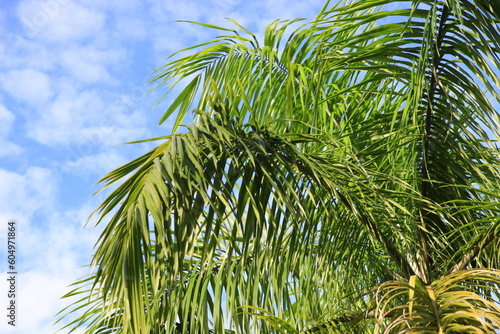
[356, 151]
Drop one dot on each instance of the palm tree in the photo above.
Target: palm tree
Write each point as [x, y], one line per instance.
[340, 176]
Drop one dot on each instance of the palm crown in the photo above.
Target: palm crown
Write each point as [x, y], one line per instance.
[340, 176]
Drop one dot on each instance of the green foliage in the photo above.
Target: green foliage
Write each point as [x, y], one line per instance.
[451, 304]
[341, 176]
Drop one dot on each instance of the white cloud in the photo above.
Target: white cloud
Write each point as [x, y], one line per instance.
[47, 267]
[23, 194]
[89, 64]
[59, 20]
[17, 51]
[51, 247]
[37, 302]
[62, 244]
[86, 119]
[7, 148]
[6, 120]
[62, 121]
[97, 164]
[27, 86]
[126, 20]
[82, 68]
[130, 27]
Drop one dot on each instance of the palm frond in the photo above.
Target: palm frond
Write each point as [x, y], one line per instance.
[357, 149]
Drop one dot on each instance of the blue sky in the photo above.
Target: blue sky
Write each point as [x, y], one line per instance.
[73, 79]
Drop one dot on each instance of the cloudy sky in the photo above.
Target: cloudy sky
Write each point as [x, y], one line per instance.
[73, 88]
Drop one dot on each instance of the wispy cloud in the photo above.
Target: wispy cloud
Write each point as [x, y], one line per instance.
[27, 86]
[59, 20]
[51, 246]
[7, 147]
[85, 117]
[22, 194]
